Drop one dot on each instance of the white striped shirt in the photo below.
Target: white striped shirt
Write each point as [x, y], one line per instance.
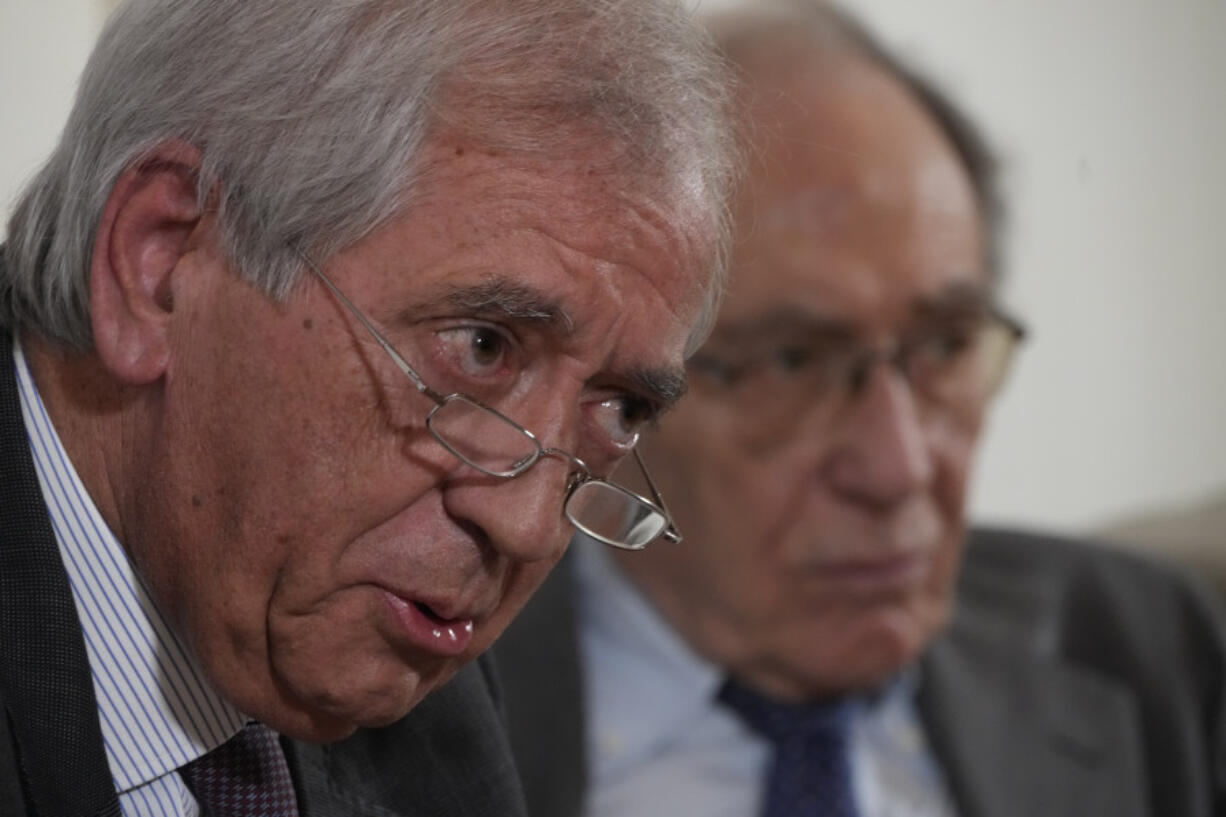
[156, 709]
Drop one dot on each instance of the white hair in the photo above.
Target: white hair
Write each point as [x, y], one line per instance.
[309, 115]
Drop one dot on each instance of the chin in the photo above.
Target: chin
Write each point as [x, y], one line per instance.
[873, 655]
[331, 707]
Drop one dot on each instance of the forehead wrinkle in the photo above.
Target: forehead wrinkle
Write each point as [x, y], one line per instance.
[512, 300]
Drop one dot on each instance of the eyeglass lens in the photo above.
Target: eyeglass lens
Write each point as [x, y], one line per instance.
[482, 438]
[493, 444]
[613, 515]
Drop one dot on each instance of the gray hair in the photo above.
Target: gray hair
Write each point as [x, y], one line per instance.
[821, 26]
[310, 116]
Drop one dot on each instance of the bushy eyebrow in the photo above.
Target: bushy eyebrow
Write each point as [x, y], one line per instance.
[512, 301]
[789, 321]
[664, 387]
[784, 321]
[958, 298]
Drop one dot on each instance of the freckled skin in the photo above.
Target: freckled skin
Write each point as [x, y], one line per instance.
[288, 479]
[851, 212]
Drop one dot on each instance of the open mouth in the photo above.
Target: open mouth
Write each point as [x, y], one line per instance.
[427, 628]
[428, 612]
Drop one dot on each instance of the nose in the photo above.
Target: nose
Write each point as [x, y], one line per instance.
[881, 454]
[521, 518]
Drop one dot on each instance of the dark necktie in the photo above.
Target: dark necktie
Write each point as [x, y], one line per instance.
[811, 768]
[244, 777]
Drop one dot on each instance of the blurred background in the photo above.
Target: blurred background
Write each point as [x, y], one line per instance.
[1110, 116]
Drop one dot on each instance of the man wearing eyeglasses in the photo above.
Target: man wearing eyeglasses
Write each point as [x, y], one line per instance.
[827, 639]
[321, 332]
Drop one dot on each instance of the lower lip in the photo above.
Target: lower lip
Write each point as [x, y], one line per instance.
[446, 638]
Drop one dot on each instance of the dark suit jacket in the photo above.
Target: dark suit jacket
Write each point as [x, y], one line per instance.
[449, 756]
[1073, 682]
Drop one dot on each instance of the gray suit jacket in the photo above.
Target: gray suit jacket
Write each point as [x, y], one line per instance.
[449, 756]
[1073, 682]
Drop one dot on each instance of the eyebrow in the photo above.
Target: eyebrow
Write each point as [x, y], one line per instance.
[784, 321]
[663, 386]
[512, 301]
[956, 298]
[787, 320]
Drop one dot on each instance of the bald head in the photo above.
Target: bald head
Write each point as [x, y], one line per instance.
[807, 68]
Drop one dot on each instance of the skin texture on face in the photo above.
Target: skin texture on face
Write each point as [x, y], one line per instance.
[820, 550]
[278, 489]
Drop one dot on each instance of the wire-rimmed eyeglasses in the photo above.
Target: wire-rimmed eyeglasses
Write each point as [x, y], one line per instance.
[954, 365]
[487, 440]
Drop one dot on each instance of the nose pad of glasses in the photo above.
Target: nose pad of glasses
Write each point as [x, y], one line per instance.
[579, 472]
[862, 370]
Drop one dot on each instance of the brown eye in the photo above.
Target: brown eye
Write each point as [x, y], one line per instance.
[487, 347]
[477, 352]
[945, 345]
[620, 420]
[790, 359]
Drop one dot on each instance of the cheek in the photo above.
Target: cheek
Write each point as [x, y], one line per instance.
[713, 481]
[952, 442]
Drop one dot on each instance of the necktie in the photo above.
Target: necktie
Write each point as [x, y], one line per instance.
[811, 769]
[244, 777]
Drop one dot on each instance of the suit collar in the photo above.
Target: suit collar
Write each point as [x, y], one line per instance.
[1024, 737]
[44, 672]
[448, 756]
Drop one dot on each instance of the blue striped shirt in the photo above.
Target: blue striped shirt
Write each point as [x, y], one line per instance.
[155, 707]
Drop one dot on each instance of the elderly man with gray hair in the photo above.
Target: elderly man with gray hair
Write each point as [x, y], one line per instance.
[321, 331]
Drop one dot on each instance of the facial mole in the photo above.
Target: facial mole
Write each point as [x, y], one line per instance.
[459, 150]
[197, 501]
[308, 324]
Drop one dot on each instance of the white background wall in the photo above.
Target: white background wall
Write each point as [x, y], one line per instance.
[1111, 116]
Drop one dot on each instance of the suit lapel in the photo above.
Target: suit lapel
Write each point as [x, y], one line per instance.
[539, 659]
[44, 672]
[448, 756]
[1018, 738]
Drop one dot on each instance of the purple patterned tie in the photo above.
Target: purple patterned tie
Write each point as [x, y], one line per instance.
[244, 777]
[811, 769]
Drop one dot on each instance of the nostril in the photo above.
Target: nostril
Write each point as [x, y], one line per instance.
[479, 535]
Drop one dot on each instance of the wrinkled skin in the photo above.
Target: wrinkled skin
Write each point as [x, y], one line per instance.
[821, 551]
[267, 466]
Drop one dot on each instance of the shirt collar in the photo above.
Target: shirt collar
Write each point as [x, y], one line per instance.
[645, 685]
[155, 707]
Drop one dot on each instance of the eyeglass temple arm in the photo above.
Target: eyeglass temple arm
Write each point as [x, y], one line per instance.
[1014, 325]
[400, 362]
[670, 533]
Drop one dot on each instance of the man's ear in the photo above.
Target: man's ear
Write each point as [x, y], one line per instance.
[143, 233]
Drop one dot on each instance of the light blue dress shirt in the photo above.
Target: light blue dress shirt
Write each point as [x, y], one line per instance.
[660, 745]
[156, 710]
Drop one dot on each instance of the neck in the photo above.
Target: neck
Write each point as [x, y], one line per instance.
[96, 418]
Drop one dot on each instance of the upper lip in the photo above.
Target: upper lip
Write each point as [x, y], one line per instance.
[870, 563]
[447, 610]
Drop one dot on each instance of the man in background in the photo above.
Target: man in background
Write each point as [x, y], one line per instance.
[828, 639]
[320, 332]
